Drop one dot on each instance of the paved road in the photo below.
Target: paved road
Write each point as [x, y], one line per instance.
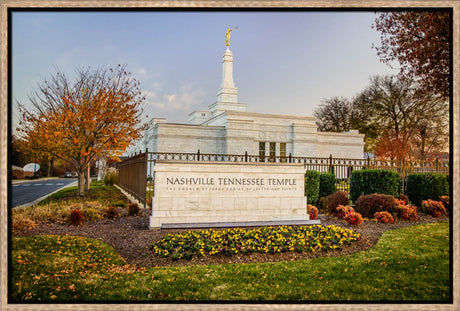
[23, 193]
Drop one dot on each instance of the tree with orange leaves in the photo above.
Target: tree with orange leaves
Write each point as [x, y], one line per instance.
[420, 42]
[409, 123]
[98, 113]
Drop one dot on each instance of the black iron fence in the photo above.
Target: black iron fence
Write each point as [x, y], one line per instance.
[136, 173]
[132, 176]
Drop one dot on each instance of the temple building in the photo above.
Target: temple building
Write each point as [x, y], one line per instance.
[228, 128]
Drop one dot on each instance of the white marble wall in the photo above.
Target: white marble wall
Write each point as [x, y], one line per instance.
[237, 132]
[176, 138]
[341, 145]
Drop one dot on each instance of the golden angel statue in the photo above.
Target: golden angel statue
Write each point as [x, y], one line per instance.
[229, 30]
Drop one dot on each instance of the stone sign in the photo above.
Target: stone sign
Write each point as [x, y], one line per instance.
[204, 192]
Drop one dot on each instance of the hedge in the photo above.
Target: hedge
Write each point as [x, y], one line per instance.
[312, 186]
[369, 181]
[326, 184]
[424, 186]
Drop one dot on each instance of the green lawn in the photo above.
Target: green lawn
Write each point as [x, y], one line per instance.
[106, 195]
[406, 264]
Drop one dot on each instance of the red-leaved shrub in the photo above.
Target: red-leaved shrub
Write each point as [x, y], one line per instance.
[76, 217]
[149, 203]
[408, 212]
[133, 209]
[332, 201]
[354, 218]
[434, 208]
[312, 211]
[445, 199]
[368, 205]
[111, 212]
[384, 217]
[342, 211]
[404, 199]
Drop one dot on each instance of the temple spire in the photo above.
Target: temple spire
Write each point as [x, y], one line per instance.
[228, 92]
[227, 95]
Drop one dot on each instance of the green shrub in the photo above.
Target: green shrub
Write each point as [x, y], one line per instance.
[312, 186]
[111, 177]
[368, 205]
[326, 185]
[330, 203]
[373, 181]
[423, 186]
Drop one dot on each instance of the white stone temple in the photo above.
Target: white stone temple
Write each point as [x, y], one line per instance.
[228, 128]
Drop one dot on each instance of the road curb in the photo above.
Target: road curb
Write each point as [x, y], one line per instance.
[75, 183]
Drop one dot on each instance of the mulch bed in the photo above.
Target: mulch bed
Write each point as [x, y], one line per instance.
[131, 238]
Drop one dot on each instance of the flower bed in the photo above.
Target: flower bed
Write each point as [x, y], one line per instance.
[261, 240]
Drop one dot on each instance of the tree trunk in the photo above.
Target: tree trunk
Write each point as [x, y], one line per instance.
[422, 148]
[87, 178]
[81, 182]
[50, 167]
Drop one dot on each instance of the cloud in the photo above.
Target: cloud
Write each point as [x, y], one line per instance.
[183, 100]
[141, 73]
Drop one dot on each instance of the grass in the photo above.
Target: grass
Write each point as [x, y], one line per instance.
[105, 195]
[57, 207]
[410, 264]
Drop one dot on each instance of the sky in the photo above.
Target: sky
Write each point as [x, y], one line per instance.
[284, 62]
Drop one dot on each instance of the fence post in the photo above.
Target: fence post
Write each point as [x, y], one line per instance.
[245, 156]
[144, 178]
[330, 164]
[198, 155]
[403, 173]
[290, 157]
